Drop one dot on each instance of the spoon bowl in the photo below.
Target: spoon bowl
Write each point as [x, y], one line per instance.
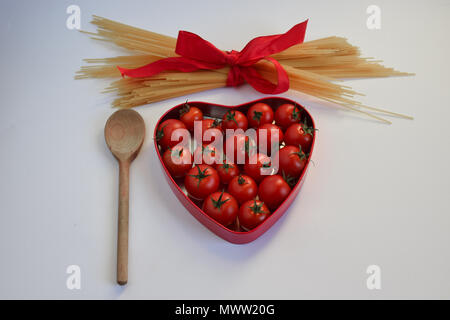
[124, 134]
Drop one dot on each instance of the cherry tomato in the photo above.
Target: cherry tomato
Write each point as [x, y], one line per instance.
[259, 114]
[242, 148]
[234, 119]
[268, 130]
[292, 161]
[164, 133]
[227, 171]
[286, 115]
[201, 181]
[211, 123]
[299, 134]
[252, 213]
[211, 131]
[253, 166]
[243, 188]
[273, 190]
[207, 154]
[190, 114]
[222, 207]
[178, 161]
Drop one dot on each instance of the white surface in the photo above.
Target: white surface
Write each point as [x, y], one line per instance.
[378, 194]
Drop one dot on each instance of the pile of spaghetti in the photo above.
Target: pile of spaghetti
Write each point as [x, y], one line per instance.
[313, 67]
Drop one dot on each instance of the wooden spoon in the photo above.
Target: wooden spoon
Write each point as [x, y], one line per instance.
[124, 135]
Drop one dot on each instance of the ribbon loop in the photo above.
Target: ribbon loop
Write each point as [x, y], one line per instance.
[197, 53]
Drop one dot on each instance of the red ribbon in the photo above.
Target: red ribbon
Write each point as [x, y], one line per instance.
[197, 53]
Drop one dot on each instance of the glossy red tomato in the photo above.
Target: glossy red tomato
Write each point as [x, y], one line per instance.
[234, 119]
[207, 154]
[243, 188]
[222, 207]
[268, 131]
[165, 130]
[227, 171]
[291, 161]
[252, 213]
[253, 166]
[178, 161]
[201, 181]
[286, 115]
[259, 114]
[190, 114]
[241, 147]
[299, 134]
[211, 131]
[211, 123]
[273, 190]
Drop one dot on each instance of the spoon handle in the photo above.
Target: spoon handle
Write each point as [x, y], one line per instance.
[122, 237]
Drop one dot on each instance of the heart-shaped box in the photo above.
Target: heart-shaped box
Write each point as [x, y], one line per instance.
[177, 185]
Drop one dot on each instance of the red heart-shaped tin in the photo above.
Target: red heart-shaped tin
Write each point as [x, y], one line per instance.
[177, 185]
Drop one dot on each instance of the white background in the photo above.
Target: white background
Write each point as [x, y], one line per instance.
[378, 194]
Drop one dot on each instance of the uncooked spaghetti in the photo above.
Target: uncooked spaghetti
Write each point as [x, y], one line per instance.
[313, 68]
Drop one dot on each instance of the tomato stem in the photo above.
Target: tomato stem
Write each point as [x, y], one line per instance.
[207, 150]
[185, 108]
[296, 113]
[257, 208]
[300, 153]
[219, 202]
[291, 181]
[247, 147]
[257, 116]
[266, 165]
[160, 133]
[176, 153]
[307, 129]
[241, 180]
[226, 166]
[200, 176]
[231, 116]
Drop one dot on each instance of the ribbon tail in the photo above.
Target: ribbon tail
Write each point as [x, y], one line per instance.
[264, 86]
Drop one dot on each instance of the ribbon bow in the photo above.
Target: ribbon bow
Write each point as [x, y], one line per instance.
[197, 53]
